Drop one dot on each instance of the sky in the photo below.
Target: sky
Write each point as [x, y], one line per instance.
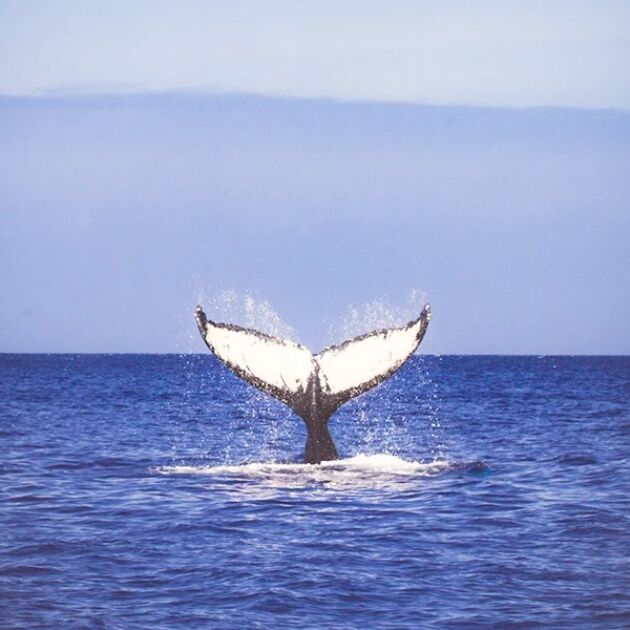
[317, 156]
[498, 52]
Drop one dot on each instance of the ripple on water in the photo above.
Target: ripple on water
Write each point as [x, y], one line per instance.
[513, 514]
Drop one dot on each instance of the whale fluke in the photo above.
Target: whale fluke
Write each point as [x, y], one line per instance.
[314, 386]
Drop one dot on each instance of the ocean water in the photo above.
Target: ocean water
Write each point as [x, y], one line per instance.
[144, 491]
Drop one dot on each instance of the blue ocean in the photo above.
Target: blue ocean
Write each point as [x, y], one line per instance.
[160, 491]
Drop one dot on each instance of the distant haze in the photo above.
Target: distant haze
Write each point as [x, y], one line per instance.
[119, 212]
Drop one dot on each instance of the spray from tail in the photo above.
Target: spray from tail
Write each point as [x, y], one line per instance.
[314, 386]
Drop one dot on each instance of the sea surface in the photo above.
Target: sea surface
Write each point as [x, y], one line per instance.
[159, 491]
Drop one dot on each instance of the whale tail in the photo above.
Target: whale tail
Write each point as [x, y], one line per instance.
[314, 386]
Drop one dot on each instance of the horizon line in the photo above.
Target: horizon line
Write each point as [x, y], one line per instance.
[423, 354]
[55, 94]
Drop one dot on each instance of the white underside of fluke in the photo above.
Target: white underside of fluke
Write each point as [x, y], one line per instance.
[359, 361]
[280, 363]
[285, 367]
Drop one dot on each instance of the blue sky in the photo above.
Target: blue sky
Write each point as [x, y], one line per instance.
[119, 211]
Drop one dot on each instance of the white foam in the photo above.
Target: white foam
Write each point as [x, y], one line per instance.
[358, 471]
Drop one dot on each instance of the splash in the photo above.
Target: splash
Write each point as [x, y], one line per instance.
[390, 429]
[376, 315]
[243, 308]
[247, 310]
[255, 422]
